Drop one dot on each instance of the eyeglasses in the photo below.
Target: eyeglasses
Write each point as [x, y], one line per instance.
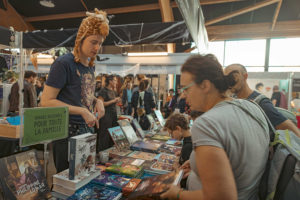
[187, 87]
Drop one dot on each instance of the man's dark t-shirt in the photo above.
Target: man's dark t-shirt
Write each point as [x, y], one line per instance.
[276, 96]
[76, 83]
[275, 117]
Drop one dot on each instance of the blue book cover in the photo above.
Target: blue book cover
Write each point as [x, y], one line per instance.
[94, 191]
[114, 181]
[146, 146]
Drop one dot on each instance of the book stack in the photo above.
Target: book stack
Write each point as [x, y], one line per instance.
[63, 185]
[130, 186]
[82, 155]
[126, 166]
[153, 187]
[94, 191]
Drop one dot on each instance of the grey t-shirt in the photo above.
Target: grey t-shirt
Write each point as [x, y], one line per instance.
[243, 139]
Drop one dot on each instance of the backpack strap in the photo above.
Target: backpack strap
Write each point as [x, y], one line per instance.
[271, 127]
[259, 98]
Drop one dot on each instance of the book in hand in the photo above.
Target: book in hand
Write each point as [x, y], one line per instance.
[154, 186]
[119, 138]
[82, 155]
[22, 177]
[113, 181]
[66, 186]
[94, 192]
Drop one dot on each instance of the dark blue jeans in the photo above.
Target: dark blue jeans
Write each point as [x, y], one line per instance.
[60, 147]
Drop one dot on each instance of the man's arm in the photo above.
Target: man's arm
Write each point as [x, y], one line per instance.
[288, 124]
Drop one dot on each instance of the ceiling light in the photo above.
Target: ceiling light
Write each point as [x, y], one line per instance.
[47, 3]
[148, 54]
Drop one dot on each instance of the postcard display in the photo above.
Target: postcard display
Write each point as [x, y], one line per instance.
[137, 161]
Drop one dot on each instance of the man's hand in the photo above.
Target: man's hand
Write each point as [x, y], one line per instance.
[99, 109]
[89, 118]
[186, 168]
[117, 100]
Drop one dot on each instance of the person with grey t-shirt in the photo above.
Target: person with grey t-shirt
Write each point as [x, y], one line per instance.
[230, 140]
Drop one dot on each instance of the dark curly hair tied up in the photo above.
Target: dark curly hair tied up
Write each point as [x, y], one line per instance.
[207, 67]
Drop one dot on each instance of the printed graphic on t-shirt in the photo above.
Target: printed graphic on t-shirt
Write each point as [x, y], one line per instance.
[87, 90]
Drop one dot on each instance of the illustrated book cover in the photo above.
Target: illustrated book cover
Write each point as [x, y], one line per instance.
[170, 149]
[154, 186]
[142, 155]
[22, 177]
[94, 192]
[128, 131]
[82, 155]
[113, 181]
[147, 146]
[119, 138]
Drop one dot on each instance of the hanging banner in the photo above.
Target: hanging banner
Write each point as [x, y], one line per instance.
[44, 125]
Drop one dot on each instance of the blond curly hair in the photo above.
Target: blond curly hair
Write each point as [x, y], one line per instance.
[95, 24]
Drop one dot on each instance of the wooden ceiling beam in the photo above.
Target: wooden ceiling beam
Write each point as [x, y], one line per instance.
[111, 11]
[84, 5]
[11, 17]
[276, 14]
[254, 31]
[241, 11]
[167, 16]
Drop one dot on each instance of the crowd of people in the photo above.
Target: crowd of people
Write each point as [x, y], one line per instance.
[225, 152]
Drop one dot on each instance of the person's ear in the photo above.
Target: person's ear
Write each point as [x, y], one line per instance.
[178, 128]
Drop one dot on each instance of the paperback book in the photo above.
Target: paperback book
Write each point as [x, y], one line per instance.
[129, 170]
[113, 181]
[170, 149]
[128, 131]
[119, 138]
[161, 137]
[94, 192]
[114, 152]
[147, 146]
[22, 177]
[131, 186]
[142, 155]
[138, 128]
[82, 155]
[154, 186]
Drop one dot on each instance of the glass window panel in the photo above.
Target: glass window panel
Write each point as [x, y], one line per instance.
[284, 69]
[285, 52]
[245, 52]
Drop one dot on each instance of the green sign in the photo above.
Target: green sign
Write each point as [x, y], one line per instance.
[45, 125]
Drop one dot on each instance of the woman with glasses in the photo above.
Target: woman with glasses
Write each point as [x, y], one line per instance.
[230, 148]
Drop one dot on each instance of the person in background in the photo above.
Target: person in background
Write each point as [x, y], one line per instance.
[177, 126]
[126, 98]
[243, 91]
[178, 102]
[259, 87]
[71, 83]
[142, 99]
[276, 96]
[224, 145]
[109, 97]
[98, 87]
[170, 95]
[30, 97]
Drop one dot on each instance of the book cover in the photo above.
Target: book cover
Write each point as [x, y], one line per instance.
[119, 138]
[169, 149]
[142, 155]
[174, 142]
[94, 192]
[146, 146]
[160, 117]
[113, 181]
[154, 186]
[122, 160]
[131, 186]
[138, 128]
[126, 169]
[22, 177]
[152, 122]
[82, 155]
[128, 131]
[161, 137]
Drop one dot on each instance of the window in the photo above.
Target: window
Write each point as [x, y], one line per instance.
[285, 52]
[216, 48]
[245, 52]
